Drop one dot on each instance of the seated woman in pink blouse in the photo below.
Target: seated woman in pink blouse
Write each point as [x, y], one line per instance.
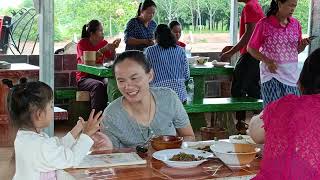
[290, 128]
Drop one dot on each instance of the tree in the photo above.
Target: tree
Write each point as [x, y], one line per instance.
[211, 9]
[170, 7]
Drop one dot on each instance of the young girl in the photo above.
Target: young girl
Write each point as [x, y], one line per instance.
[276, 42]
[37, 156]
[175, 28]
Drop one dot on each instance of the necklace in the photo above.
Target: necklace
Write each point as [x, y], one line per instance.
[150, 132]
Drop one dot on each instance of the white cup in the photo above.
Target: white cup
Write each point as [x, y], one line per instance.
[89, 57]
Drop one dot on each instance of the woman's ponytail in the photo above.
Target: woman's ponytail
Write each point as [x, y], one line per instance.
[84, 33]
[139, 10]
[273, 9]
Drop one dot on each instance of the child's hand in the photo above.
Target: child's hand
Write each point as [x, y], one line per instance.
[93, 123]
[76, 130]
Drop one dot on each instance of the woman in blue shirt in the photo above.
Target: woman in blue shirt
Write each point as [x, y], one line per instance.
[169, 62]
[139, 31]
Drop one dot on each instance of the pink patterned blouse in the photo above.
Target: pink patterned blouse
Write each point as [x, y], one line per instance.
[280, 44]
[292, 143]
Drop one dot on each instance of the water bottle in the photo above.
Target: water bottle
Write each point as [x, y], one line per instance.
[188, 50]
[190, 91]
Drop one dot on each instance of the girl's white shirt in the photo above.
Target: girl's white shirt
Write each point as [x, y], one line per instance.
[38, 153]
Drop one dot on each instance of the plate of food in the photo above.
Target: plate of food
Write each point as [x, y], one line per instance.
[182, 158]
[241, 139]
[216, 63]
[202, 60]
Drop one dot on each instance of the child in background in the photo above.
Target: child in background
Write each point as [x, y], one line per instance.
[37, 155]
[175, 28]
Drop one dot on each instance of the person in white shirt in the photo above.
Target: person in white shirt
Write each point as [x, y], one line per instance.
[38, 156]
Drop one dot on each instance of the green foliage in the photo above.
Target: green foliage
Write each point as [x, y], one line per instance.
[196, 15]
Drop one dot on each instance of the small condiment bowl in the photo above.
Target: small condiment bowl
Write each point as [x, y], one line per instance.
[166, 142]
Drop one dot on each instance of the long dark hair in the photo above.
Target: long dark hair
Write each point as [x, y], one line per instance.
[89, 28]
[164, 36]
[133, 55]
[310, 75]
[23, 99]
[143, 6]
[274, 7]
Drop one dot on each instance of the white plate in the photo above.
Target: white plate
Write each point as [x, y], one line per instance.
[165, 155]
[219, 64]
[197, 144]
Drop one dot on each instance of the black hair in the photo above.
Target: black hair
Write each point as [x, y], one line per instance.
[23, 99]
[143, 6]
[309, 78]
[164, 36]
[172, 24]
[274, 8]
[133, 55]
[89, 28]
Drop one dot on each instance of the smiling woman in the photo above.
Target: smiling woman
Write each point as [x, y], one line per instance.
[142, 112]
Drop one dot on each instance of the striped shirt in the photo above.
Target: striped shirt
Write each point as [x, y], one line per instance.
[136, 29]
[124, 131]
[171, 68]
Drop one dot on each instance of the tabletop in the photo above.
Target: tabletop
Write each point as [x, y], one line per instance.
[154, 169]
[195, 70]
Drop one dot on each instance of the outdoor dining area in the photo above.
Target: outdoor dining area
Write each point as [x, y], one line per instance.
[145, 113]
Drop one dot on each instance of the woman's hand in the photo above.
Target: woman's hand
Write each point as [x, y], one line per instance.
[149, 42]
[116, 42]
[93, 123]
[101, 141]
[272, 66]
[304, 42]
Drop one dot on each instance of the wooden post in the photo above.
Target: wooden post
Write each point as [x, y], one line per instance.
[46, 45]
[234, 28]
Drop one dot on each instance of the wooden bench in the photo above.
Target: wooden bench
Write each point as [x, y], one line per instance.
[225, 105]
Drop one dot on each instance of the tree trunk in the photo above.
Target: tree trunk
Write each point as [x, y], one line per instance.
[199, 15]
[222, 24]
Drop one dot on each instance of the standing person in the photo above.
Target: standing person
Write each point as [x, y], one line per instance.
[246, 73]
[276, 42]
[37, 156]
[175, 28]
[139, 32]
[169, 62]
[290, 127]
[92, 40]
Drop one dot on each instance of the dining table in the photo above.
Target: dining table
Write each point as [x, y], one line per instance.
[198, 72]
[155, 169]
